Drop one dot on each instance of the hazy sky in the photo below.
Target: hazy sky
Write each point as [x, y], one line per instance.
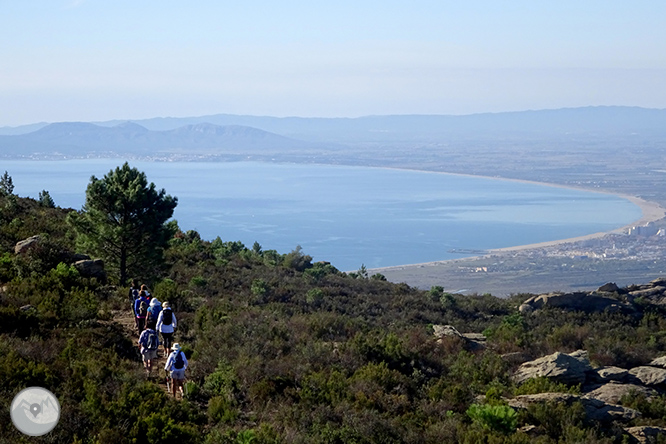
[63, 60]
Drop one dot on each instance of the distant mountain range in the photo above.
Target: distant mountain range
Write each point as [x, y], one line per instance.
[225, 134]
[85, 139]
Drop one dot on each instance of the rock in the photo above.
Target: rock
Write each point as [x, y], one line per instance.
[575, 301]
[645, 434]
[612, 392]
[594, 408]
[27, 308]
[22, 247]
[473, 341]
[608, 374]
[659, 282]
[610, 287]
[561, 367]
[647, 292]
[658, 362]
[91, 268]
[647, 375]
[445, 330]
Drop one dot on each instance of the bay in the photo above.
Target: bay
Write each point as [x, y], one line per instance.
[347, 215]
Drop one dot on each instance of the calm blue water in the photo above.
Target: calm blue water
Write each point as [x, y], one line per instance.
[347, 215]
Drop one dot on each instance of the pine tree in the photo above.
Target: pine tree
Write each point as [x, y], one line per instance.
[124, 221]
[6, 185]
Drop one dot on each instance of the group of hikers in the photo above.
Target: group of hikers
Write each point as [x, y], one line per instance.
[153, 316]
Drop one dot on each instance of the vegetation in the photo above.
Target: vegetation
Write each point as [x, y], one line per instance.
[124, 222]
[283, 350]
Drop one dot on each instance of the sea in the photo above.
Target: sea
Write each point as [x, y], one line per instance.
[349, 216]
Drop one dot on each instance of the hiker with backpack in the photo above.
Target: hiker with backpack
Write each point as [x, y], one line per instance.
[175, 366]
[154, 310]
[166, 325]
[141, 310]
[149, 343]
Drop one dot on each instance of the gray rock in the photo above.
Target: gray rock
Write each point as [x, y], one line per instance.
[445, 330]
[608, 374]
[612, 392]
[91, 268]
[658, 362]
[560, 367]
[575, 301]
[610, 287]
[647, 375]
[647, 292]
[645, 434]
[22, 247]
[595, 409]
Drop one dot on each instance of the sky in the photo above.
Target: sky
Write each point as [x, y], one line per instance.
[94, 60]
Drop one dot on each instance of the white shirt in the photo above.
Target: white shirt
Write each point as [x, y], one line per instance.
[166, 328]
[172, 360]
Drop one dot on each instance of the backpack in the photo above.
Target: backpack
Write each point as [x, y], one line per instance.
[179, 363]
[167, 317]
[135, 294]
[143, 309]
[152, 342]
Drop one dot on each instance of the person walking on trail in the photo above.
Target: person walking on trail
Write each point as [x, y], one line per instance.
[176, 365]
[166, 325]
[149, 343]
[134, 292]
[141, 310]
[154, 310]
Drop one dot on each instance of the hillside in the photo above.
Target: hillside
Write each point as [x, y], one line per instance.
[287, 351]
[80, 139]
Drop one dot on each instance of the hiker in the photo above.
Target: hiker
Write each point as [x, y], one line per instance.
[154, 310]
[144, 287]
[166, 324]
[149, 343]
[176, 365]
[141, 310]
[133, 293]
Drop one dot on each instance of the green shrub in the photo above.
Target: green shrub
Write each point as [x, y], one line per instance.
[499, 418]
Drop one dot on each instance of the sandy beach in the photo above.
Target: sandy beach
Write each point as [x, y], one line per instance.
[651, 212]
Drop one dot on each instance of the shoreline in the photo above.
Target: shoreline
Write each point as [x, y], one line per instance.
[651, 212]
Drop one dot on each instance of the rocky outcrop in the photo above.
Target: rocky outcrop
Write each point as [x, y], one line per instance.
[565, 368]
[647, 375]
[608, 374]
[588, 302]
[595, 409]
[473, 341]
[613, 392]
[91, 268]
[22, 247]
[607, 297]
[645, 434]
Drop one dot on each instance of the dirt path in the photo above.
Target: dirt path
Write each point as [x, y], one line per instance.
[126, 319]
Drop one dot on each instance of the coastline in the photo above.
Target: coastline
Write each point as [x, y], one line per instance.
[651, 212]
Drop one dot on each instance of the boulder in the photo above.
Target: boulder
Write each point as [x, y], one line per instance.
[647, 375]
[608, 374]
[646, 434]
[22, 247]
[647, 292]
[560, 367]
[595, 409]
[612, 392]
[473, 341]
[610, 287]
[587, 302]
[445, 330]
[658, 362]
[91, 268]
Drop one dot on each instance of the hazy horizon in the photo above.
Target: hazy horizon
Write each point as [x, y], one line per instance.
[79, 60]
